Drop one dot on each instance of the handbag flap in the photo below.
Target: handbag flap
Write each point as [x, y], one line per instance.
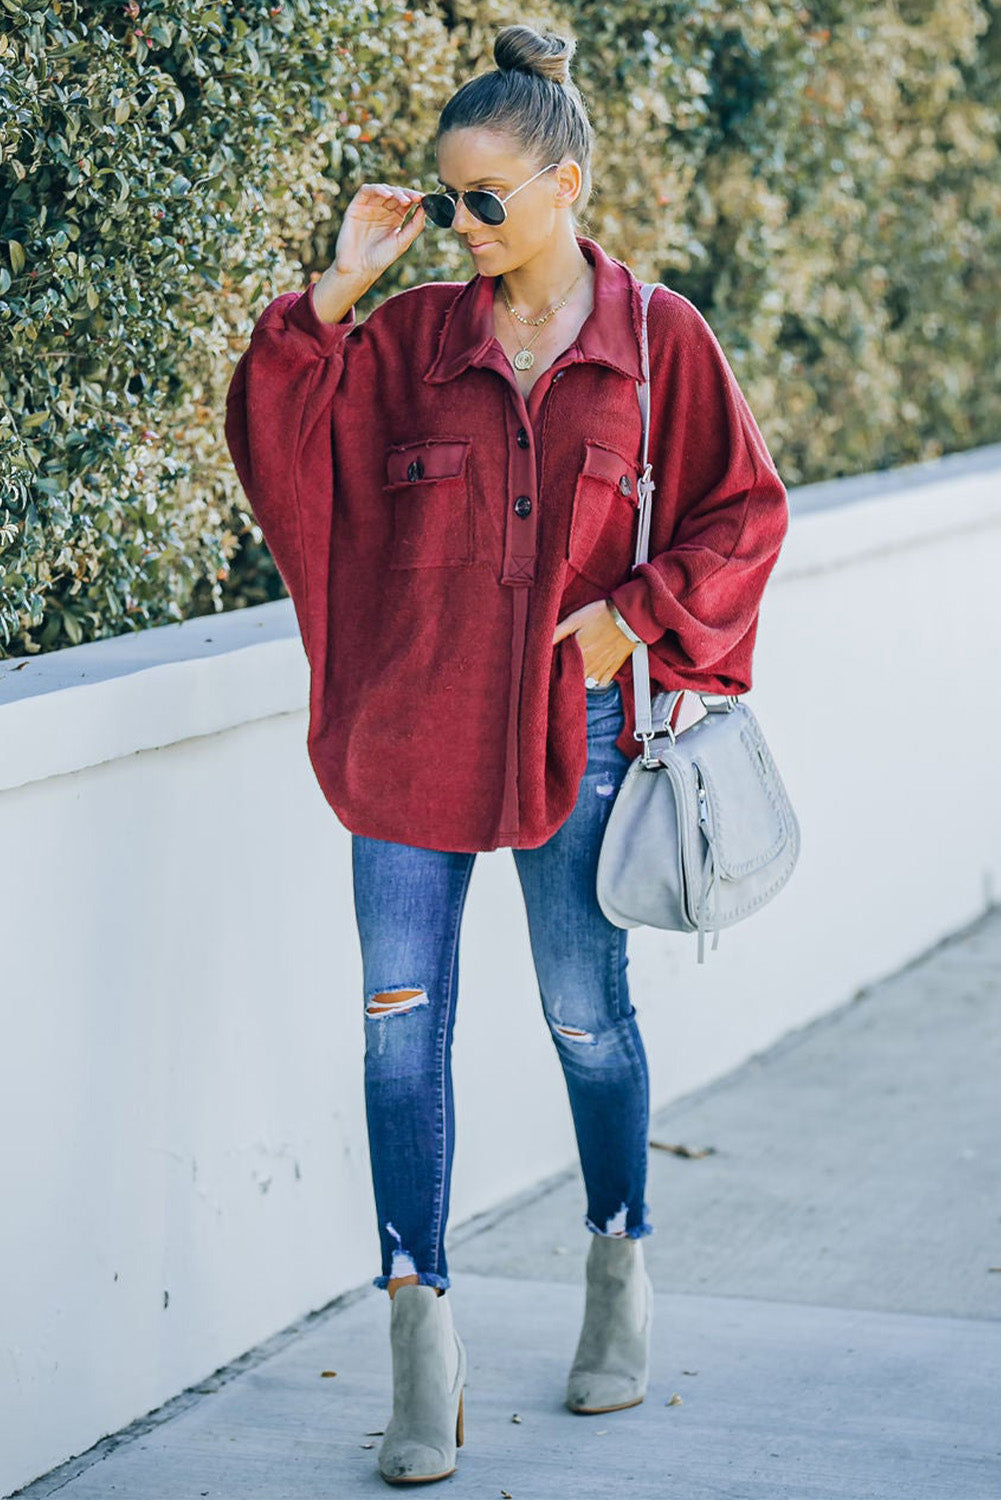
[743, 792]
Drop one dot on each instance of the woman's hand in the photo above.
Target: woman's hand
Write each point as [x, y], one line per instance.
[603, 645]
[373, 234]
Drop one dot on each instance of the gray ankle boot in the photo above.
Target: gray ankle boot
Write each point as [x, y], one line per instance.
[429, 1371]
[611, 1366]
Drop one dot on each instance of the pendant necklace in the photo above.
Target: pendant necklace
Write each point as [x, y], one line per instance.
[525, 359]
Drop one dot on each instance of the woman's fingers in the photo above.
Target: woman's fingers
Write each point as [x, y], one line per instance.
[412, 226]
[381, 204]
[387, 193]
[376, 230]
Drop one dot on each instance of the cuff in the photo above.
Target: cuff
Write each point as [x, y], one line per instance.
[302, 313]
[631, 599]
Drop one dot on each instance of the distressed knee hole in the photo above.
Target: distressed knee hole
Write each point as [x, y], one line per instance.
[395, 1002]
[573, 1033]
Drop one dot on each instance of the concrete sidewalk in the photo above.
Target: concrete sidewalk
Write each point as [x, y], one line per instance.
[826, 1306]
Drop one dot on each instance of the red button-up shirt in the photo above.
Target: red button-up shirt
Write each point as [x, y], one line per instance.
[432, 527]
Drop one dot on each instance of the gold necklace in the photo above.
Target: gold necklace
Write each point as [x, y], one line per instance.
[525, 359]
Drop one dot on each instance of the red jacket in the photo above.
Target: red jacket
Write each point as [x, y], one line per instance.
[432, 528]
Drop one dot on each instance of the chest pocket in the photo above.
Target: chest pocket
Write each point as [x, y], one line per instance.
[427, 489]
[602, 538]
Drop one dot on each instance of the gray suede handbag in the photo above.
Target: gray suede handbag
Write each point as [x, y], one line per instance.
[701, 832]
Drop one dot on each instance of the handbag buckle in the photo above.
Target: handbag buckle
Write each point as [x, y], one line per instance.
[645, 484]
[651, 761]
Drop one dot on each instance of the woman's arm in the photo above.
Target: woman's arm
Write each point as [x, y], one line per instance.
[278, 406]
[719, 510]
[278, 429]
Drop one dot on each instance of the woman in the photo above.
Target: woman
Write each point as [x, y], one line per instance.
[449, 491]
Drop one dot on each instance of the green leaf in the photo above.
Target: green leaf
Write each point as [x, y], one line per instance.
[71, 625]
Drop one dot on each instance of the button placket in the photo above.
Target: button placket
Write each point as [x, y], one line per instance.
[520, 529]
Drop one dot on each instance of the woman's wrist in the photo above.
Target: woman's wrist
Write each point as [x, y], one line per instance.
[337, 291]
[626, 629]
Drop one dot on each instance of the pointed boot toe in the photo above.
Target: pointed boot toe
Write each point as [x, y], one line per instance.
[590, 1391]
[610, 1368]
[429, 1372]
[415, 1461]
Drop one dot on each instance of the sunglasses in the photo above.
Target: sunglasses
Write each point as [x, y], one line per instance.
[485, 206]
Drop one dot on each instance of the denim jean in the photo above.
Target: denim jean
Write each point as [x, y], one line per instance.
[408, 905]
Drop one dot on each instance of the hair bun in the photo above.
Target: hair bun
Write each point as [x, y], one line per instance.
[520, 49]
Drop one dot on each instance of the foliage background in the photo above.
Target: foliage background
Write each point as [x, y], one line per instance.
[823, 181]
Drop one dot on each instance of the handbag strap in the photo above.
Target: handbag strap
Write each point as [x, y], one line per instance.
[644, 490]
[645, 486]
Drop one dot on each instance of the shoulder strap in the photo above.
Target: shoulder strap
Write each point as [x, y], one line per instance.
[643, 706]
[644, 489]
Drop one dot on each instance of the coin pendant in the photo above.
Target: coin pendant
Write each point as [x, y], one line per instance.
[524, 359]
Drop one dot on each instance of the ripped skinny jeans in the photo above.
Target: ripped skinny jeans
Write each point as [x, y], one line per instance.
[408, 906]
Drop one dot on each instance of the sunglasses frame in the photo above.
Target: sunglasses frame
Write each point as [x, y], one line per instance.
[448, 195]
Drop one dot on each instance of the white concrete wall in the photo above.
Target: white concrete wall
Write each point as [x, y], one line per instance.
[185, 1165]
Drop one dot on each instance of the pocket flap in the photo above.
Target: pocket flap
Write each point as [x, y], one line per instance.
[437, 458]
[605, 463]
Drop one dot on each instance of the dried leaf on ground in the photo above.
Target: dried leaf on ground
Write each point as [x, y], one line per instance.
[682, 1150]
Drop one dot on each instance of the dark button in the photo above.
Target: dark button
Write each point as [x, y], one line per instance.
[415, 470]
[522, 506]
[522, 438]
[626, 485]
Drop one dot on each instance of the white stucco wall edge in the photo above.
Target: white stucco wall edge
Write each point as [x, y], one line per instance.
[69, 709]
[65, 710]
[841, 521]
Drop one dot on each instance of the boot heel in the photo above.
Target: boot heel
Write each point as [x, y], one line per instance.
[460, 1428]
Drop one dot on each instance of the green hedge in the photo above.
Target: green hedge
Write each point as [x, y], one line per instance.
[824, 182]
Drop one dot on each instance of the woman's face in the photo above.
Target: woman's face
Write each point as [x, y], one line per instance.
[477, 158]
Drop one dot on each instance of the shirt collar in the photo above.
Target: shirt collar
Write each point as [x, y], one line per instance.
[610, 335]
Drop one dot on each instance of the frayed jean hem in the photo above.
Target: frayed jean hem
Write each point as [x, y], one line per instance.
[637, 1231]
[424, 1278]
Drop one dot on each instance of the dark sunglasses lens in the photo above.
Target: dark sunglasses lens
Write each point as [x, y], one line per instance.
[439, 208]
[486, 206]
